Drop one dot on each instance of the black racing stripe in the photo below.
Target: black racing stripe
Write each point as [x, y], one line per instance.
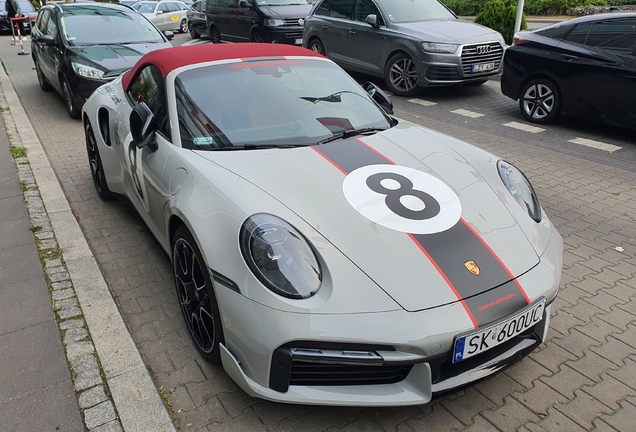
[351, 154]
[448, 250]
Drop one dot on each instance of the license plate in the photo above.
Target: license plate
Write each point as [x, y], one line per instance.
[477, 342]
[298, 41]
[482, 67]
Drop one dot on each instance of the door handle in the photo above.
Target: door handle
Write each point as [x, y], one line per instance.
[351, 32]
[325, 26]
[569, 57]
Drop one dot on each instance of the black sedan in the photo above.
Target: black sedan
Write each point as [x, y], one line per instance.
[26, 9]
[585, 67]
[196, 20]
[78, 47]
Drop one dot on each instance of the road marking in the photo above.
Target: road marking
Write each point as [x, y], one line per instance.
[595, 144]
[195, 42]
[467, 113]
[524, 127]
[422, 102]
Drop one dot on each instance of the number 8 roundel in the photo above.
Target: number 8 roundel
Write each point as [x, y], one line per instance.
[402, 199]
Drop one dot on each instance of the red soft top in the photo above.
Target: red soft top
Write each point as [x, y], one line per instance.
[169, 59]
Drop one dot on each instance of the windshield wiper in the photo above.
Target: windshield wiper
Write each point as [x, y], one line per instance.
[333, 97]
[258, 147]
[351, 133]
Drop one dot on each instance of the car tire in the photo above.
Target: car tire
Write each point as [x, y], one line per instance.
[183, 26]
[69, 99]
[215, 34]
[400, 75]
[193, 32]
[44, 84]
[195, 295]
[476, 83]
[540, 101]
[316, 46]
[95, 164]
[257, 37]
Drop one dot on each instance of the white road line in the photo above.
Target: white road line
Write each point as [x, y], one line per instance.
[422, 102]
[524, 127]
[467, 113]
[595, 144]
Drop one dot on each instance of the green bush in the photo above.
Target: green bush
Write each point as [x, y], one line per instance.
[531, 7]
[501, 17]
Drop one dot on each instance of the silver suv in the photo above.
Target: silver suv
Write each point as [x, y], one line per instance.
[411, 43]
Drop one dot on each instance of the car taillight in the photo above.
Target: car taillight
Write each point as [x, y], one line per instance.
[518, 40]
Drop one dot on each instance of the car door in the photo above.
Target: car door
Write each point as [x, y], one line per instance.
[362, 35]
[222, 14]
[596, 63]
[51, 56]
[335, 29]
[161, 16]
[143, 167]
[242, 20]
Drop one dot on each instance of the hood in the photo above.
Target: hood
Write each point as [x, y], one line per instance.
[286, 11]
[414, 274]
[116, 57]
[448, 31]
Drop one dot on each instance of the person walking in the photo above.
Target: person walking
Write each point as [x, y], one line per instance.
[13, 11]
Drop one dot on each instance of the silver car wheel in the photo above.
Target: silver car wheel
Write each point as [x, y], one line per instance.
[403, 74]
[183, 28]
[538, 101]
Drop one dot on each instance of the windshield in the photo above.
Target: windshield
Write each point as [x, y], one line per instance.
[105, 26]
[270, 103]
[25, 6]
[144, 7]
[402, 11]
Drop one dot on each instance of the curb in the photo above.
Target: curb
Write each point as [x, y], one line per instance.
[134, 395]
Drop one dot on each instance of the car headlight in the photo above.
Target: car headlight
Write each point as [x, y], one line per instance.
[87, 71]
[445, 48]
[279, 256]
[274, 22]
[520, 188]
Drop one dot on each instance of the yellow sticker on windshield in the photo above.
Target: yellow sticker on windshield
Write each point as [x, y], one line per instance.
[175, 17]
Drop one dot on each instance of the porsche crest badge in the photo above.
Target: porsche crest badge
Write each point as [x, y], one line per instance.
[472, 267]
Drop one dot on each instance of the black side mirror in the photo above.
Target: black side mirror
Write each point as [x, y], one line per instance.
[372, 19]
[143, 127]
[47, 40]
[169, 35]
[244, 4]
[379, 96]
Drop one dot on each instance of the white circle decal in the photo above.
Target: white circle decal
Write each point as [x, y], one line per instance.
[402, 199]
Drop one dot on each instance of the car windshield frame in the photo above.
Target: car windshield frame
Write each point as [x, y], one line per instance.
[75, 22]
[408, 11]
[273, 103]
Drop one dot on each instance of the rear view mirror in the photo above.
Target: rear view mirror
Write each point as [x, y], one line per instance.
[47, 40]
[372, 19]
[143, 127]
[244, 4]
[379, 97]
[169, 35]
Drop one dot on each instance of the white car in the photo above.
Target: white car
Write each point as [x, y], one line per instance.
[166, 15]
[323, 251]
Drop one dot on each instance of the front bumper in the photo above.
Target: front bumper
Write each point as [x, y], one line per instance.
[290, 35]
[421, 342]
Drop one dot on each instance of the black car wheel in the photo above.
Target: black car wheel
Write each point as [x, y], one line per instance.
[44, 84]
[69, 99]
[193, 32]
[540, 101]
[95, 163]
[183, 27]
[196, 295]
[257, 37]
[316, 46]
[215, 34]
[400, 75]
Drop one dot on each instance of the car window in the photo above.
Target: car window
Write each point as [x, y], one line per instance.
[579, 33]
[51, 26]
[615, 35]
[42, 21]
[401, 11]
[364, 8]
[167, 7]
[555, 32]
[148, 86]
[25, 6]
[323, 8]
[145, 7]
[341, 8]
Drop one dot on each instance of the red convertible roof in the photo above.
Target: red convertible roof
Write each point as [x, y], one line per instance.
[169, 59]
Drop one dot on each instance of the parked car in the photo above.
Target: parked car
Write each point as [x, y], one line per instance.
[275, 21]
[323, 251]
[26, 9]
[585, 66]
[166, 15]
[411, 43]
[197, 25]
[78, 47]
[128, 2]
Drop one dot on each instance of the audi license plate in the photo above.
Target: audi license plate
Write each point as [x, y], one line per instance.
[482, 340]
[298, 41]
[482, 67]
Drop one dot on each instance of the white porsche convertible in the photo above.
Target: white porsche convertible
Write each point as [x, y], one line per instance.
[323, 251]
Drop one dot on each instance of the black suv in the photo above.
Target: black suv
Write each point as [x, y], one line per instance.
[100, 41]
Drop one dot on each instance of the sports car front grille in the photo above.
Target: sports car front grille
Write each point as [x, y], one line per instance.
[324, 374]
[481, 54]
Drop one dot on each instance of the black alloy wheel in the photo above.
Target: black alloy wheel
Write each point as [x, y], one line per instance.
[193, 32]
[183, 27]
[257, 37]
[540, 101]
[95, 163]
[215, 34]
[316, 46]
[69, 99]
[196, 296]
[400, 75]
[44, 84]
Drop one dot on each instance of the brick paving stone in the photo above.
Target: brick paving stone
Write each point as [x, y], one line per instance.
[628, 336]
[99, 415]
[211, 388]
[566, 381]
[623, 420]
[386, 418]
[618, 317]
[583, 409]
[480, 424]
[236, 402]
[563, 321]
[584, 310]
[440, 419]
[598, 330]
[185, 375]
[627, 373]
[575, 342]
[609, 391]
[112, 426]
[527, 372]
[63, 294]
[572, 294]
[614, 350]
[591, 365]
[498, 387]
[465, 406]
[539, 398]
[92, 397]
[248, 422]
[510, 416]
[75, 335]
[623, 290]
[554, 422]
[604, 301]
